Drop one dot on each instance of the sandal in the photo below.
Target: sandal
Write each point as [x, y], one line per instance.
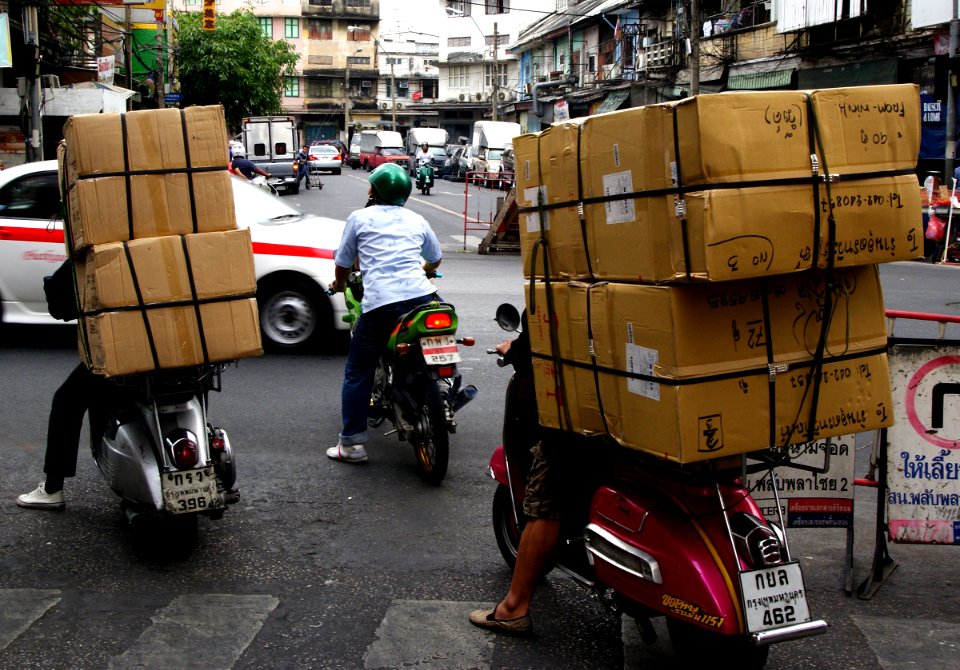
[487, 619]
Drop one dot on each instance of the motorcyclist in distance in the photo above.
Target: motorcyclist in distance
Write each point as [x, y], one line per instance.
[423, 155]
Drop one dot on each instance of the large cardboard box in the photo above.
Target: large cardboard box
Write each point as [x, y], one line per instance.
[692, 372]
[754, 211]
[146, 174]
[167, 269]
[131, 341]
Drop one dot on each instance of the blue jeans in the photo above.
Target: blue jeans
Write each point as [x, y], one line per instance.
[368, 342]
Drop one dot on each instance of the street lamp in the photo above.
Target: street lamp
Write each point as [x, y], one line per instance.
[393, 83]
[346, 100]
[496, 72]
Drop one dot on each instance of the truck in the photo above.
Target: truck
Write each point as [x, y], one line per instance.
[490, 138]
[436, 140]
[271, 143]
[381, 146]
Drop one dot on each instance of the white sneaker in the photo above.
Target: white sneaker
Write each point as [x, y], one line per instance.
[354, 454]
[40, 499]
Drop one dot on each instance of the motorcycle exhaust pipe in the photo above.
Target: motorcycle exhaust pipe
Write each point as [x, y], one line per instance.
[465, 395]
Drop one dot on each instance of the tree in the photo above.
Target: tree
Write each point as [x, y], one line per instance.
[235, 66]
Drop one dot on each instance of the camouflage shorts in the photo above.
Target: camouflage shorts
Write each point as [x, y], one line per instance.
[542, 499]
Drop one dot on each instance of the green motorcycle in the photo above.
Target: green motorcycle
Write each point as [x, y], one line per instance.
[417, 386]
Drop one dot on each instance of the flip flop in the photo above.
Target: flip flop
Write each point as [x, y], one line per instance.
[486, 619]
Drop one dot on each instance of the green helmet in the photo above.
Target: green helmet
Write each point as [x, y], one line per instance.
[391, 184]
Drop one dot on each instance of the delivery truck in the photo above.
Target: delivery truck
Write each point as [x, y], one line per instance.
[490, 138]
[271, 143]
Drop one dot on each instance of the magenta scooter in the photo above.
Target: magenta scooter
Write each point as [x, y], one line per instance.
[688, 543]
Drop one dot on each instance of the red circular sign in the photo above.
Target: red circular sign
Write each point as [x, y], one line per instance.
[915, 421]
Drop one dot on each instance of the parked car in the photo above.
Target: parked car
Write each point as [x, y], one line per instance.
[455, 167]
[447, 167]
[353, 155]
[325, 158]
[341, 147]
[507, 175]
[293, 255]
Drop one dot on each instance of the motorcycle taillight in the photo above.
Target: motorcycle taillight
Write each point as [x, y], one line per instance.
[757, 544]
[183, 447]
[438, 320]
[446, 371]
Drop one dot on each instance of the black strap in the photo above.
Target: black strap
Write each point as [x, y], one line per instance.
[126, 176]
[141, 306]
[193, 294]
[193, 197]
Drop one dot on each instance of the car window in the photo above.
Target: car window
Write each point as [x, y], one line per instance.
[316, 151]
[35, 196]
[392, 152]
[260, 206]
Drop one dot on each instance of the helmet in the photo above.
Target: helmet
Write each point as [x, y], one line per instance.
[391, 184]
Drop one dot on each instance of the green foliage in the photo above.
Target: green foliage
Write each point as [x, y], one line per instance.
[234, 65]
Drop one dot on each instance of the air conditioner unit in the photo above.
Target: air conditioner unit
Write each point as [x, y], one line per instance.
[49, 81]
[462, 97]
[402, 84]
[384, 105]
[399, 105]
[365, 84]
[478, 96]
[501, 96]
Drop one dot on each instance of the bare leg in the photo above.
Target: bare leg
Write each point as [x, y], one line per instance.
[536, 544]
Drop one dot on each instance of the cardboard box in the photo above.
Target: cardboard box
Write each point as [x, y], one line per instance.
[756, 136]
[118, 342]
[159, 204]
[660, 368]
[164, 140]
[146, 174]
[758, 227]
[220, 264]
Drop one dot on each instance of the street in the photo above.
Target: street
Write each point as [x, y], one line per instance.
[330, 565]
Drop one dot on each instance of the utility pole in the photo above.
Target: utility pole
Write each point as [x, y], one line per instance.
[393, 93]
[128, 51]
[346, 106]
[694, 47]
[31, 37]
[496, 73]
[951, 105]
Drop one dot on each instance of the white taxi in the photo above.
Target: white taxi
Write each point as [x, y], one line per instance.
[293, 257]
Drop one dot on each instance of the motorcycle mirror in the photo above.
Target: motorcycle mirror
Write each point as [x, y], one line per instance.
[508, 317]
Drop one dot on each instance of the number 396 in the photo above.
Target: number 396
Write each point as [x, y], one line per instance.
[192, 503]
[779, 616]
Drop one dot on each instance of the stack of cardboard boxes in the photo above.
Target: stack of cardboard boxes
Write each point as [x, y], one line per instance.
[164, 278]
[705, 278]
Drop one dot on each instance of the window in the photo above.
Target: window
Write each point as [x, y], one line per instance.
[291, 28]
[457, 76]
[561, 5]
[460, 6]
[35, 196]
[362, 34]
[501, 75]
[189, 3]
[319, 29]
[322, 3]
[497, 6]
[429, 88]
[358, 60]
[502, 40]
[291, 87]
[320, 88]
[358, 3]
[266, 25]
[403, 88]
[458, 41]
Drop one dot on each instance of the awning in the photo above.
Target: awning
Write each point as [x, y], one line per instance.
[867, 73]
[708, 73]
[762, 74]
[613, 101]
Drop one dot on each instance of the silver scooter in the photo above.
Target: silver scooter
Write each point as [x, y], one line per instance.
[157, 451]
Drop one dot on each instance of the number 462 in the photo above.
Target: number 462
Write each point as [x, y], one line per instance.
[779, 616]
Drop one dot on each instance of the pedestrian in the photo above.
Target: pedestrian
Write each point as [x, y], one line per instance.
[247, 168]
[303, 165]
[396, 250]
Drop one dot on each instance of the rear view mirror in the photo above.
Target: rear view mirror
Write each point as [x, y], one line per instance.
[508, 317]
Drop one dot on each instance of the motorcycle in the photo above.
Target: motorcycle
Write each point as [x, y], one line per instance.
[425, 177]
[417, 386]
[685, 542]
[154, 446]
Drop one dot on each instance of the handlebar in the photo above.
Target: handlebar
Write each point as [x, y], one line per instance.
[501, 361]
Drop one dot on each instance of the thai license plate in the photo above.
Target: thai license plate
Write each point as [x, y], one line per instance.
[774, 597]
[440, 349]
[188, 491]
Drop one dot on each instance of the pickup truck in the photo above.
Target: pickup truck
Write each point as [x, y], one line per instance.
[379, 147]
[271, 143]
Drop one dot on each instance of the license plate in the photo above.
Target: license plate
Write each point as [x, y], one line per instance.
[188, 491]
[440, 349]
[774, 597]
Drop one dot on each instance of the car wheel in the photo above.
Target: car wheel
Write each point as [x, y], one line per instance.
[293, 190]
[337, 171]
[294, 314]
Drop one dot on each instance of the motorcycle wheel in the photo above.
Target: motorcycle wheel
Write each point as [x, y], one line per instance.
[430, 440]
[694, 645]
[504, 527]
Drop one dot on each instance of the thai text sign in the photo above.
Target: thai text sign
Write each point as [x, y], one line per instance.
[810, 499]
[923, 447]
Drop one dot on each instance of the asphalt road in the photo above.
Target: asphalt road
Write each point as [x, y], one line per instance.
[329, 565]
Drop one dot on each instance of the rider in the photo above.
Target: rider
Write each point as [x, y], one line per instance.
[423, 155]
[303, 169]
[246, 168]
[396, 250]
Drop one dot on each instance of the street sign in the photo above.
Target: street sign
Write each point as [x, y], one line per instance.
[923, 446]
[172, 98]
